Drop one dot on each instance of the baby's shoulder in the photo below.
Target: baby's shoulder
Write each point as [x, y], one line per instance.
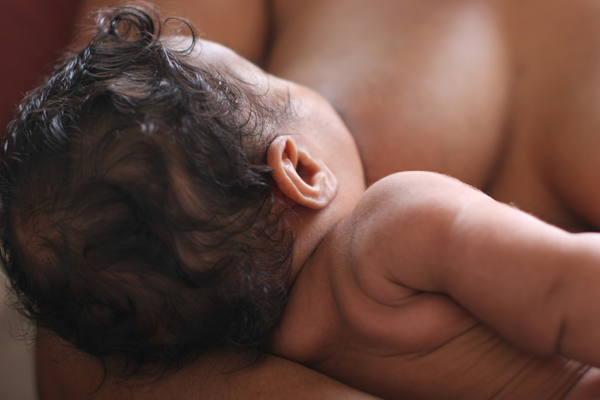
[401, 223]
[410, 206]
[411, 188]
[344, 292]
[346, 289]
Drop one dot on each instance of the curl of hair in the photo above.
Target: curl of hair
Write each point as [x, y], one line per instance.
[137, 213]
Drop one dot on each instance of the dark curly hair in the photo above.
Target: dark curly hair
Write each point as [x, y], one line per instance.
[137, 214]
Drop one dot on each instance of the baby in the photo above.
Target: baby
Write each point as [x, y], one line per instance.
[162, 196]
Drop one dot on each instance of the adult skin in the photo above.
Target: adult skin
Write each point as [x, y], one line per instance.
[495, 93]
[65, 374]
[499, 94]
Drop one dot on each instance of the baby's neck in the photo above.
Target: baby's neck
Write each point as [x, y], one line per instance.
[310, 227]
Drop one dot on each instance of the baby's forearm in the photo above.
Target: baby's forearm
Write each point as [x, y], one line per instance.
[535, 284]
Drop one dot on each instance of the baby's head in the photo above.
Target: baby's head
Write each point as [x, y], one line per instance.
[151, 192]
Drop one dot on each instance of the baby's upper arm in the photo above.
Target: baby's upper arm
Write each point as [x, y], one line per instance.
[396, 231]
[533, 283]
[401, 228]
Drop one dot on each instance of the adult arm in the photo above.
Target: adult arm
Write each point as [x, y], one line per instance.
[535, 284]
[63, 373]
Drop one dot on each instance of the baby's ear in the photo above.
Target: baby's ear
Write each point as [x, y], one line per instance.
[301, 177]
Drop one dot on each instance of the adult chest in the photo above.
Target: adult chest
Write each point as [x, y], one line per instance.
[422, 85]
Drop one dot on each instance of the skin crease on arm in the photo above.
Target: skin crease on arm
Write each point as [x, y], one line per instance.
[533, 283]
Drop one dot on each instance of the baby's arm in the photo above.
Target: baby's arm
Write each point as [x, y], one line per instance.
[533, 283]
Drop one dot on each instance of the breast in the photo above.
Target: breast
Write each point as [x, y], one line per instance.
[422, 85]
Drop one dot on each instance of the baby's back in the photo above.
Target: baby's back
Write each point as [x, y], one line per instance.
[396, 342]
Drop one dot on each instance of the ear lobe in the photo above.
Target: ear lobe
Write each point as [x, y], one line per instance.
[300, 177]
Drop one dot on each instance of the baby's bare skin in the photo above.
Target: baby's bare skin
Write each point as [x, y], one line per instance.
[399, 303]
